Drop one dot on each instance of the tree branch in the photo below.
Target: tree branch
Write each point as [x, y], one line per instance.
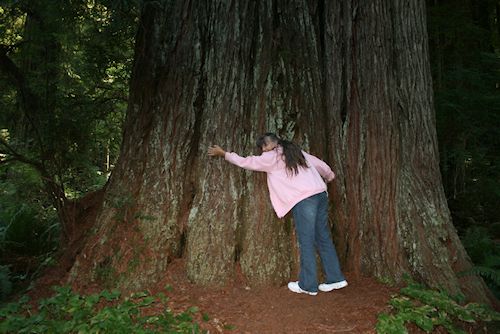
[13, 72]
[19, 157]
[6, 160]
[30, 101]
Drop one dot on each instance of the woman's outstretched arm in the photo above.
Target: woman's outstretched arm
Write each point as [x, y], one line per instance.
[261, 163]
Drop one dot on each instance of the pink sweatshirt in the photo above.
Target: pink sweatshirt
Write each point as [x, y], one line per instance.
[286, 190]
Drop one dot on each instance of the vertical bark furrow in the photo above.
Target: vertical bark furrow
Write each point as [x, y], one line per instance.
[391, 212]
[355, 73]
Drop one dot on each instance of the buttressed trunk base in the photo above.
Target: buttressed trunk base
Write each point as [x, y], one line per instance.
[348, 80]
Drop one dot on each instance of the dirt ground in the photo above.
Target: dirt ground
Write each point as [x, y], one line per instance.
[237, 308]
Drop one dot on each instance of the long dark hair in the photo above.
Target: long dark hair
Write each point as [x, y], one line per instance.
[292, 152]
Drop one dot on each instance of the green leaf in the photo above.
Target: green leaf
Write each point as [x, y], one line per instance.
[425, 323]
[110, 295]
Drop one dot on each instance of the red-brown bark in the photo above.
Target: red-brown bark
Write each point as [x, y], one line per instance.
[348, 80]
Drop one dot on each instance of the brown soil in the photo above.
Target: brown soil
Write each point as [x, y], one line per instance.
[352, 309]
[239, 308]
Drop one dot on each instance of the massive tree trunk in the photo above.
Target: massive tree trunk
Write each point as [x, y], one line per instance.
[349, 81]
[205, 73]
[392, 217]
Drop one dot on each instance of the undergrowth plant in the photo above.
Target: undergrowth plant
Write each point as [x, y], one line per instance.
[485, 254]
[429, 309]
[5, 282]
[106, 312]
[29, 228]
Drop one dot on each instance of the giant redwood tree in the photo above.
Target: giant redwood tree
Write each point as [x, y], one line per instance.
[349, 80]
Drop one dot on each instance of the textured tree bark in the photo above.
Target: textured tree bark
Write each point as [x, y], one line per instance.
[392, 217]
[349, 80]
[205, 73]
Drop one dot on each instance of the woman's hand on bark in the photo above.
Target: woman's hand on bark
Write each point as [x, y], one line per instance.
[216, 150]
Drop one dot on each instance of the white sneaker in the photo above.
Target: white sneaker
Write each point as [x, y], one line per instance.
[294, 287]
[332, 286]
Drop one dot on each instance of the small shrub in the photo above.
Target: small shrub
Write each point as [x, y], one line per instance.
[479, 244]
[429, 309]
[68, 312]
[485, 254]
[23, 233]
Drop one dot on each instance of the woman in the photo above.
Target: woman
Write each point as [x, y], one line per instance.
[295, 181]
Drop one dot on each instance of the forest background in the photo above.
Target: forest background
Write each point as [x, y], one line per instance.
[64, 77]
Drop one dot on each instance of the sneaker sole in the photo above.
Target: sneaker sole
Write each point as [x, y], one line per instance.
[333, 288]
[303, 291]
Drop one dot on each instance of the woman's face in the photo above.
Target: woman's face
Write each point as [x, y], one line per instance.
[268, 146]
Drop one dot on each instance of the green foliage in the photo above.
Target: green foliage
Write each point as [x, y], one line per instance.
[465, 62]
[23, 233]
[479, 245]
[230, 327]
[75, 58]
[487, 273]
[63, 95]
[429, 309]
[485, 253]
[29, 230]
[5, 282]
[106, 312]
[28, 223]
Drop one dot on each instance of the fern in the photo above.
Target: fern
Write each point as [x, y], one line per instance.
[492, 261]
[105, 312]
[488, 273]
[479, 245]
[485, 254]
[428, 309]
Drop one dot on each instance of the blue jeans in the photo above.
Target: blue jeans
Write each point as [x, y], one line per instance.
[311, 223]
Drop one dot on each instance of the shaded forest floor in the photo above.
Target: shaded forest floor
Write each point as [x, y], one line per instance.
[238, 308]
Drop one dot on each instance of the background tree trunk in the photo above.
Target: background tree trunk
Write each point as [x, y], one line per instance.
[349, 81]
